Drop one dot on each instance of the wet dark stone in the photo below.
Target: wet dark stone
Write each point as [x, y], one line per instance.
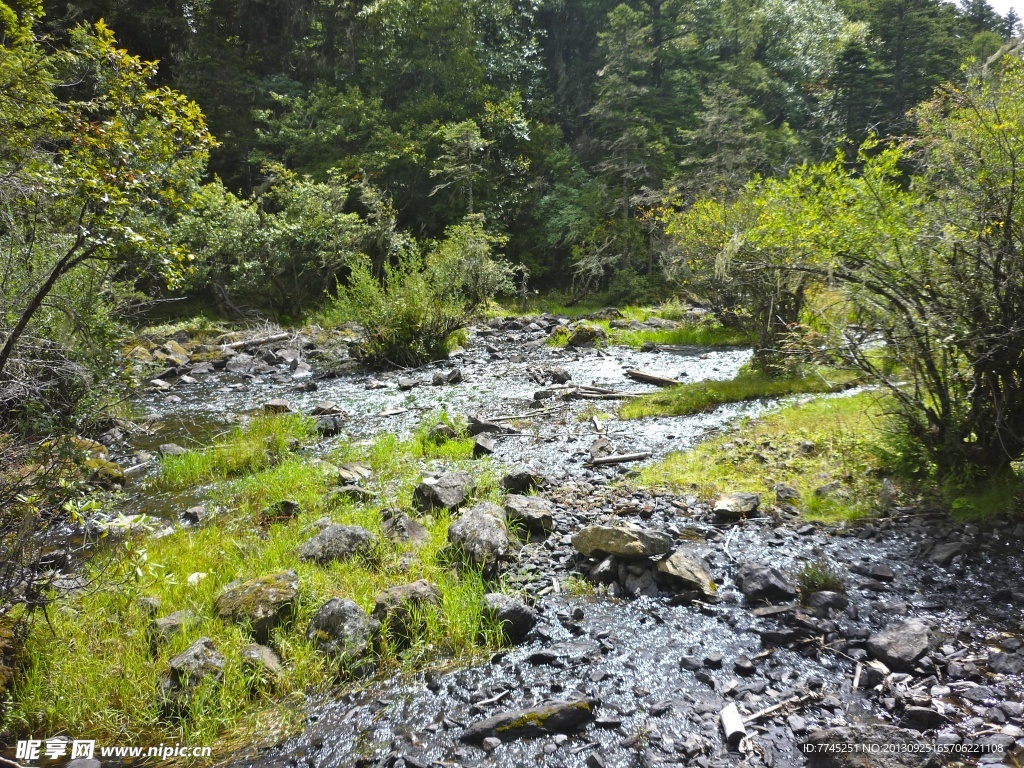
[550, 718]
[515, 617]
[900, 645]
[762, 582]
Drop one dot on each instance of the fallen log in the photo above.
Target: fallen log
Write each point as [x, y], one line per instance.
[651, 378]
[622, 458]
[257, 342]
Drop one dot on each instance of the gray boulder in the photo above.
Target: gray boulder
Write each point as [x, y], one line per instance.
[399, 610]
[262, 660]
[628, 543]
[187, 671]
[687, 572]
[898, 646]
[263, 603]
[534, 513]
[515, 617]
[549, 718]
[337, 542]
[340, 628]
[523, 481]
[762, 582]
[162, 630]
[480, 536]
[400, 527]
[448, 491]
[736, 506]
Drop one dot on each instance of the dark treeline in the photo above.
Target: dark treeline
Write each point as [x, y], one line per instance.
[564, 122]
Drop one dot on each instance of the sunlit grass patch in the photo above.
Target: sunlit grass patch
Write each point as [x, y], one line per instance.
[246, 449]
[690, 334]
[826, 449]
[96, 677]
[703, 396]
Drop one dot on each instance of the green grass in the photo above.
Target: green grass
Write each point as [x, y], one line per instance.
[94, 676]
[250, 448]
[806, 445]
[691, 334]
[703, 396]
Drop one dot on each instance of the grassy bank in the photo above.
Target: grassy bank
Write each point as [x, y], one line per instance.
[94, 676]
[702, 396]
[831, 445]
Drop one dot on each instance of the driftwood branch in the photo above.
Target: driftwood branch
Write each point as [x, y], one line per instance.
[622, 458]
[647, 377]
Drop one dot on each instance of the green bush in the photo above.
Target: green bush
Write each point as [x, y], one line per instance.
[408, 317]
[463, 261]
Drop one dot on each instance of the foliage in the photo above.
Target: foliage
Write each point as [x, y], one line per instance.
[98, 677]
[90, 183]
[285, 247]
[462, 261]
[407, 317]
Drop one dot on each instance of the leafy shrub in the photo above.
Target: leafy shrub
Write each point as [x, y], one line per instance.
[408, 317]
[463, 261]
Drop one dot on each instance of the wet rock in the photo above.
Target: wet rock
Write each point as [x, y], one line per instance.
[943, 554]
[586, 336]
[405, 383]
[823, 601]
[606, 571]
[337, 542]
[515, 617]
[160, 631]
[262, 660]
[277, 405]
[736, 506]
[534, 513]
[187, 671]
[340, 628]
[547, 719]
[171, 449]
[479, 536]
[454, 376]
[401, 527]
[523, 481]
[104, 473]
[327, 408]
[900, 645]
[744, 666]
[684, 571]
[262, 603]
[923, 718]
[483, 446]
[1005, 663]
[448, 491]
[629, 543]
[601, 447]
[399, 610]
[762, 582]
[874, 740]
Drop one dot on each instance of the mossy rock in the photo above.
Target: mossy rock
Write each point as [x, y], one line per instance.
[105, 474]
[262, 603]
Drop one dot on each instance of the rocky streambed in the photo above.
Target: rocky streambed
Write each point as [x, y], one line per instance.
[655, 629]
